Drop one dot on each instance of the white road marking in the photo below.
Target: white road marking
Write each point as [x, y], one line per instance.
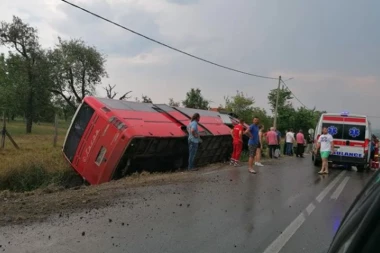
[310, 208]
[282, 239]
[340, 188]
[280, 242]
[323, 194]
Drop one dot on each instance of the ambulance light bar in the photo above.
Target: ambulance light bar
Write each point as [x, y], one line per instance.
[344, 113]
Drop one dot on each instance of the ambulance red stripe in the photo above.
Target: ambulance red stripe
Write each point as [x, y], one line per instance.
[345, 119]
[352, 143]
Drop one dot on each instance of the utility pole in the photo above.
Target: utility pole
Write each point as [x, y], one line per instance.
[277, 99]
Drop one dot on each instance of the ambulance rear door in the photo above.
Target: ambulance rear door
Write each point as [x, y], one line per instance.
[335, 127]
[352, 146]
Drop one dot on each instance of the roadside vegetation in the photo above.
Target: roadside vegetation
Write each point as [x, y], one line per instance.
[37, 163]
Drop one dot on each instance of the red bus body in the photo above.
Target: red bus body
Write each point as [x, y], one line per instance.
[109, 139]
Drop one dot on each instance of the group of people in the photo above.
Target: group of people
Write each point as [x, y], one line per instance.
[291, 138]
[255, 143]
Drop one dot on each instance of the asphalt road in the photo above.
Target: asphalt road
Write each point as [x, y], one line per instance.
[286, 207]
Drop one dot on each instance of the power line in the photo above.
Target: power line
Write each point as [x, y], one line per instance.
[166, 45]
[293, 94]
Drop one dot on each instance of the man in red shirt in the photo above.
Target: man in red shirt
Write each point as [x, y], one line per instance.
[237, 142]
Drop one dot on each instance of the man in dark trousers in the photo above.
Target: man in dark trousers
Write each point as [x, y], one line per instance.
[300, 138]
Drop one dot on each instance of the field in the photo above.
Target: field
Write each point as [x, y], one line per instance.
[37, 163]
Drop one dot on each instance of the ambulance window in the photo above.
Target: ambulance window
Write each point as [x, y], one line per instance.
[354, 132]
[336, 130]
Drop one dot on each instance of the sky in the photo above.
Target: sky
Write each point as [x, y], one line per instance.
[330, 48]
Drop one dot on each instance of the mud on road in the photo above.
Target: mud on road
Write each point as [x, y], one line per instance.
[36, 206]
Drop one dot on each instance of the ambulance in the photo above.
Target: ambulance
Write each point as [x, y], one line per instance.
[352, 138]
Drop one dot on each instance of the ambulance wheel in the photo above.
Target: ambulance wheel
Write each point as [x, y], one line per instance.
[360, 168]
[317, 162]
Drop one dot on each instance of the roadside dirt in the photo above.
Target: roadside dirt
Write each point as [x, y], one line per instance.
[36, 206]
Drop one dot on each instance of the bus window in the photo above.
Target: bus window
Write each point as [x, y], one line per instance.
[77, 129]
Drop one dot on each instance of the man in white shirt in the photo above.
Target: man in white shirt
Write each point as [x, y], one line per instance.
[289, 140]
[326, 146]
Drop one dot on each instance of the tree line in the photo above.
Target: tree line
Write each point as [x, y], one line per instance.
[36, 83]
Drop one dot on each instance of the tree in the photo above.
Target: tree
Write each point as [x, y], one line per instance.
[7, 93]
[146, 99]
[288, 116]
[63, 109]
[28, 58]
[306, 118]
[195, 100]
[76, 70]
[284, 98]
[18, 90]
[173, 103]
[241, 105]
[112, 94]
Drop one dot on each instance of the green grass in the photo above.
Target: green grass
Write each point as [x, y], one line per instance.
[17, 128]
[37, 163]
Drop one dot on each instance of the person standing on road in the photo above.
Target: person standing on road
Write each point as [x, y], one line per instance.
[193, 139]
[326, 146]
[237, 142]
[253, 133]
[309, 144]
[284, 149]
[259, 147]
[272, 141]
[278, 141]
[289, 142]
[300, 144]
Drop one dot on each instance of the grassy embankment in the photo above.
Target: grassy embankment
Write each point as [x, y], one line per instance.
[37, 163]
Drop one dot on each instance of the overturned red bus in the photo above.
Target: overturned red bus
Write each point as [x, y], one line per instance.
[109, 139]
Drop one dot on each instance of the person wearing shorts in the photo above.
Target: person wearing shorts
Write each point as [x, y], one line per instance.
[326, 147]
[253, 133]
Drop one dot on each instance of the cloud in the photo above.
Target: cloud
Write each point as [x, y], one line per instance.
[183, 1]
[332, 53]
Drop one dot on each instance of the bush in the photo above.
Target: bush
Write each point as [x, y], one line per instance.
[34, 176]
